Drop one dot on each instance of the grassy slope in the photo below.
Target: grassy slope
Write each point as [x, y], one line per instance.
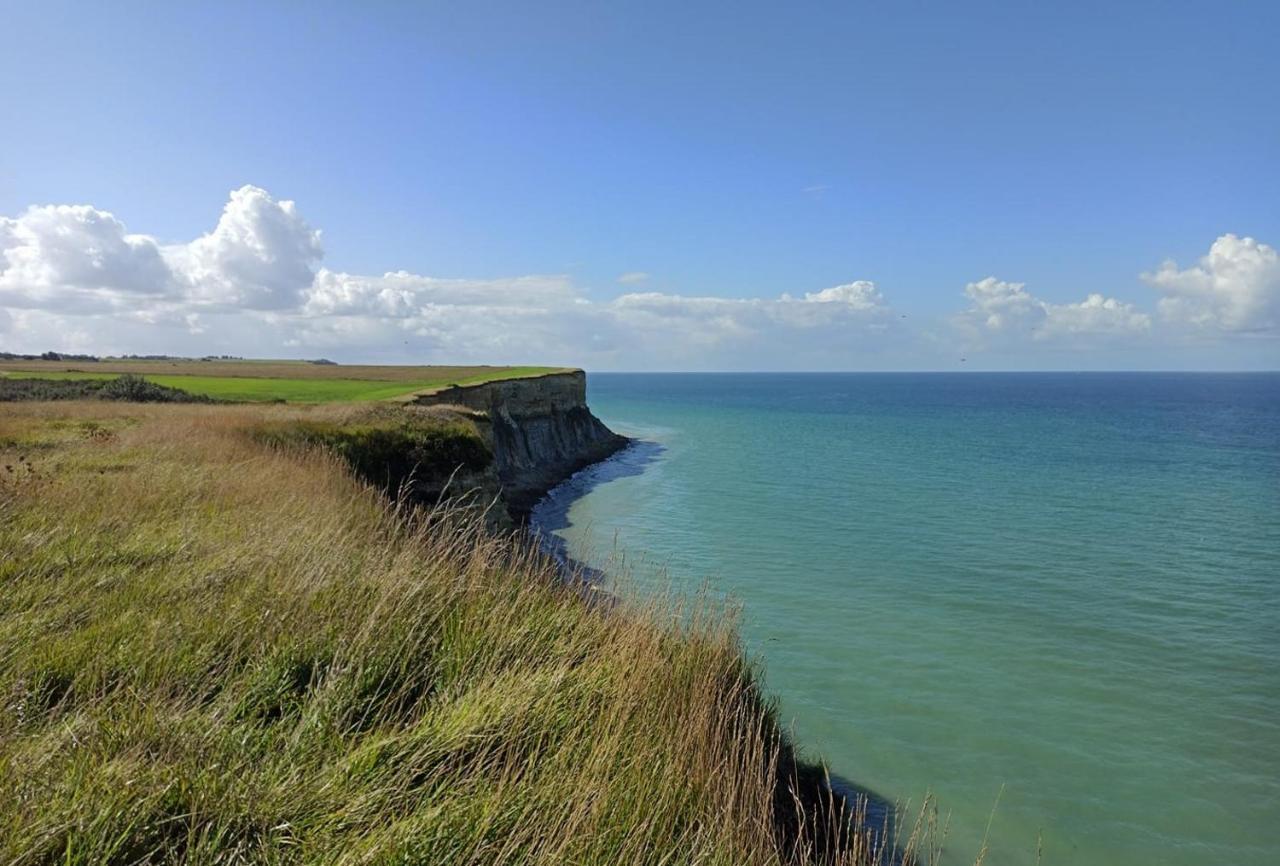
[270, 381]
[212, 650]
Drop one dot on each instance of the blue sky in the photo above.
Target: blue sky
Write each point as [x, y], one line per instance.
[983, 168]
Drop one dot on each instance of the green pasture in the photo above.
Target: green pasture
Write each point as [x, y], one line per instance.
[299, 390]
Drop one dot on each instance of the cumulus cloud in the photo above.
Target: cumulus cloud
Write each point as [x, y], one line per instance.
[75, 256]
[859, 295]
[261, 255]
[1002, 305]
[999, 307]
[1235, 287]
[75, 277]
[1096, 314]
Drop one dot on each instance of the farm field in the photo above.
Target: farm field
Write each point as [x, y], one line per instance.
[270, 381]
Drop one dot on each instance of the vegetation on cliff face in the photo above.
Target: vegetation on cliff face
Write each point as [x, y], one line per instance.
[389, 447]
[213, 650]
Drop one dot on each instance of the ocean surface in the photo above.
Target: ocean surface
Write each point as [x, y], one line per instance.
[1058, 590]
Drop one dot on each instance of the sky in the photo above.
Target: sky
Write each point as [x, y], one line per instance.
[645, 186]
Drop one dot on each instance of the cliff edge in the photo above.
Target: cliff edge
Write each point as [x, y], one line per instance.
[539, 430]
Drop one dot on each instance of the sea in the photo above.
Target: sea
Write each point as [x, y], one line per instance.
[1050, 603]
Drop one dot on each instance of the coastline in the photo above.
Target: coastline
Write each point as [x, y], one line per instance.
[539, 430]
[422, 675]
[551, 513]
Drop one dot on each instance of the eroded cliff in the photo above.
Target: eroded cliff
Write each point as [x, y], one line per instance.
[539, 429]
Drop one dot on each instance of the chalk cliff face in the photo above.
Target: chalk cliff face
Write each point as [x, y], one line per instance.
[539, 428]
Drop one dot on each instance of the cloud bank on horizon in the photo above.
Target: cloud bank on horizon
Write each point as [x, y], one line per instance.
[74, 278]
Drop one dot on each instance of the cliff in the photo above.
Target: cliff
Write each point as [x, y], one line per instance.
[539, 430]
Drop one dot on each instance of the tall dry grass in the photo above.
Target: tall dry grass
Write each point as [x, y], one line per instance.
[212, 651]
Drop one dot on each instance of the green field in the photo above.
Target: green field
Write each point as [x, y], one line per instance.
[302, 389]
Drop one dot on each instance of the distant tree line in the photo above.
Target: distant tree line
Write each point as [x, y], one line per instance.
[47, 356]
[128, 388]
[72, 356]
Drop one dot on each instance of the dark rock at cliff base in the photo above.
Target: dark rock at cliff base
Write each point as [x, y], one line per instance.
[539, 428]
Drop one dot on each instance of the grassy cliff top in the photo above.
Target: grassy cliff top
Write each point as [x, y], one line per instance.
[267, 381]
[218, 645]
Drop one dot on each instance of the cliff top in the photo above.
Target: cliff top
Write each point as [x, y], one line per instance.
[220, 643]
[276, 380]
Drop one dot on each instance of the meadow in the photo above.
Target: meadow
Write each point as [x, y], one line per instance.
[218, 644]
[276, 381]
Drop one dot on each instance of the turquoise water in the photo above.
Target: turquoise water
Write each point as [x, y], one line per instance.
[1066, 586]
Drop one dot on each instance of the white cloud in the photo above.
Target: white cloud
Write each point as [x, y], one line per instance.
[254, 284]
[75, 278]
[715, 319]
[261, 256]
[1094, 315]
[1005, 308]
[859, 295]
[1235, 287]
[76, 256]
[724, 333]
[400, 294]
[1003, 305]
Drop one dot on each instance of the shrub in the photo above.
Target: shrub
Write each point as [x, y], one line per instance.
[127, 388]
[135, 389]
[389, 454]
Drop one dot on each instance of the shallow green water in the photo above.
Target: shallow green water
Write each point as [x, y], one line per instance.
[1065, 586]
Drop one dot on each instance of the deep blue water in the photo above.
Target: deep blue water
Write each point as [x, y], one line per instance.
[1063, 585]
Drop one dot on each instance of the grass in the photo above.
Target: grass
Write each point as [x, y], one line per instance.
[244, 381]
[218, 645]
